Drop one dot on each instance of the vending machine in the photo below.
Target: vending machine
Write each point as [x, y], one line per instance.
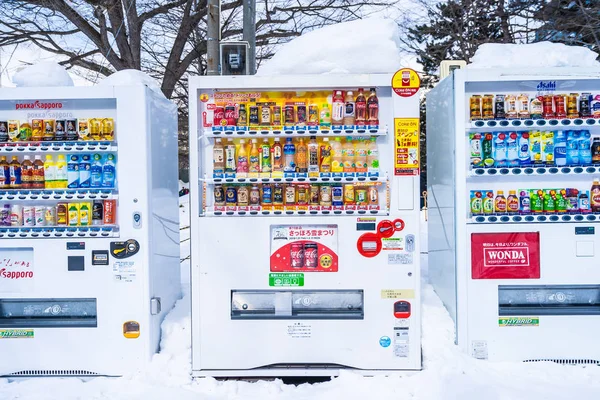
[514, 203]
[89, 232]
[305, 224]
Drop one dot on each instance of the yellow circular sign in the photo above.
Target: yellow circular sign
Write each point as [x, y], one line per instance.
[325, 261]
[203, 97]
[406, 82]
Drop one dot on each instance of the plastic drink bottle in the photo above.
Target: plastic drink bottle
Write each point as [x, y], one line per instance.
[61, 179]
[242, 158]
[50, 172]
[230, 157]
[218, 157]
[109, 172]
[84, 171]
[27, 173]
[360, 108]
[348, 154]
[325, 116]
[4, 175]
[277, 156]
[73, 172]
[313, 155]
[254, 157]
[14, 170]
[325, 156]
[301, 157]
[96, 172]
[349, 109]
[265, 156]
[360, 156]
[37, 179]
[337, 108]
[337, 164]
[373, 108]
[373, 156]
[289, 153]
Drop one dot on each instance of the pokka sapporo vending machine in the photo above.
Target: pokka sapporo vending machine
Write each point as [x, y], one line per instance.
[89, 242]
[305, 224]
[514, 204]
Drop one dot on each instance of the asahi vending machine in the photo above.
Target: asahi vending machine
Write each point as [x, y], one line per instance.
[514, 204]
[89, 233]
[305, 224]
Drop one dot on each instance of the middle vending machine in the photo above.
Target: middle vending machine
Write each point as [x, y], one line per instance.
[305, 224]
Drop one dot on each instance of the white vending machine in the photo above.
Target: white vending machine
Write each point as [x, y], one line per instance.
[514, 197]
[305, 224]
[89, 232]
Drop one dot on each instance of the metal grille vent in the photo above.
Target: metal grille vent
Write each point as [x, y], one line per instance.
[566, 361]
[53, 372]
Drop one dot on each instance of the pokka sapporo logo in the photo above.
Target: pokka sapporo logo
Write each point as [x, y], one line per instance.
[4, 273]
[38, 105]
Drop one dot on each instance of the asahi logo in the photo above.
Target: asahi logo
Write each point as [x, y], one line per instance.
[38, 105]
[4, 273]
[506, 257]
[546, 86]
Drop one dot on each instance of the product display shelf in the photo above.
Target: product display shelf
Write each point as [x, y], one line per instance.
[534, 123]
[535, 170]
[59, 194]
[534, 218]
[260, 212]
[219, 132]
[59, 231]
[323, 179]
[57, 147]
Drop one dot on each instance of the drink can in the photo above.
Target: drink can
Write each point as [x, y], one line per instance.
[288, 112]
[253, 115]
[301, 114]
[559, 105]
[313, 115]
[230, 115]
[523, 106]
[219, 193]
[325, 195]
[61, 214]
[83, 129]
[97, 212]
[276, 115]
[108, 129]
[231, 196]
[243, 195]
[73, 214]
[71, 126]
[510, 107]
[349, 194]
[28, 216]
[548, 106]
[60, 130]
[337, 195]
[302, 193]
[361, 196]
[5, 215]
[3, 131]
[254, 195]
[110, 209]
[499, 112]
[584, 105]
[16, 215]
[95, 128]
[475, 107]
[488, 106]
[314, 195]
[572, 106]
[297, 255]
[290, 195]
[49, 130]
[278, 194]
[218, 115]
[265, 115]
[311, 255]
[50, 215]
[13, 130]
[37, 129]
[40, 216]
[373, 196]
[267, 195]
[242, 116]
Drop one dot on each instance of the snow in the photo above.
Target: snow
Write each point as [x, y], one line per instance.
[131, 77]
[447, 373]
[534, 55]
[43, 74]
[369, 45]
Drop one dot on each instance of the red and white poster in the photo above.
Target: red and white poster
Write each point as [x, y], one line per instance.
[304, 248]
[16, 270]
[511, 255]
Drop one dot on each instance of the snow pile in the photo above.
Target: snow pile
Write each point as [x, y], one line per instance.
[534, 55]
[363, 46]
[43, 74]
[131, 77]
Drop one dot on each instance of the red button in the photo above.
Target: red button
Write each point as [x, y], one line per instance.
[385, 228]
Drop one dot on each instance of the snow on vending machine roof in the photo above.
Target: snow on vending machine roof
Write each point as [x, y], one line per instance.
[293, 255]
[509, 195]
[79, 226]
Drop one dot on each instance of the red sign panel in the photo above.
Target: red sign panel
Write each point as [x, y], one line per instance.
[511, 255]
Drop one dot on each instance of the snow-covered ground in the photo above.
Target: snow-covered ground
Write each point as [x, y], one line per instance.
[446, 374]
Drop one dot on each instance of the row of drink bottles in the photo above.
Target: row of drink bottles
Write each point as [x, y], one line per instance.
[58, 130]
[543, 148]
[80, 171]
[557, 106]
[525, 201]
[298, 194]
[356, 155]
[99, 212]
[345, 110]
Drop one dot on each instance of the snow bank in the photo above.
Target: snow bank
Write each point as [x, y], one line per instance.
[131, 77]
[363, 46]
[535, 55]
[43, 74]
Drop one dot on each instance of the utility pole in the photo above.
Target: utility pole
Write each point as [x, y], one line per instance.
[213, 55]
[249, 33]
